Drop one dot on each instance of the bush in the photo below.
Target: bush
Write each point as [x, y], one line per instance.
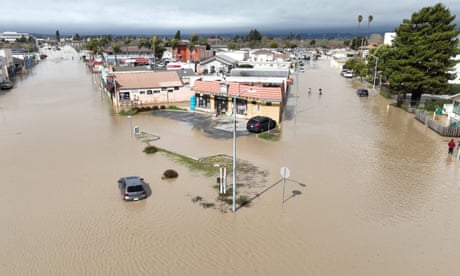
[431, 105]
[150, 149]
[170, 174]
[131, 111]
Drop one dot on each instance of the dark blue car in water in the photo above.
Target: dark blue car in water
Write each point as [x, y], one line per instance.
[260, 124]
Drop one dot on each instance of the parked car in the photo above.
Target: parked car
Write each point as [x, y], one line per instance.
[362, 92]
[6, 84]
[346, 73]
[260, 124]
[301, 69]
[132, 188]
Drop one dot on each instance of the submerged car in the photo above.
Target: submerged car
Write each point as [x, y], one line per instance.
[362, 92]
[132, 188]
[260, 124]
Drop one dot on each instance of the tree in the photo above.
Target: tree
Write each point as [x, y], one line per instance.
[422, 53]
[58, 36]
[177, 35]
[157, 46]
[194, 38]
[254, 35]
[360, 19]
[357, 65]
[173, 44]
[231, 45]
[273, 44]
[356, 42]
[127, 41]
[116, 50]
[369, 20]
[254, 38]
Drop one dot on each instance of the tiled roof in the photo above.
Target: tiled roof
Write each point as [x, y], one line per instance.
[245, 91]
[147, 79]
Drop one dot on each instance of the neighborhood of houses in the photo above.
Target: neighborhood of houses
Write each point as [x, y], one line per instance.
[208, 78]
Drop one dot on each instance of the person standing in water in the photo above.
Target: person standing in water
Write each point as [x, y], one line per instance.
[451, 146]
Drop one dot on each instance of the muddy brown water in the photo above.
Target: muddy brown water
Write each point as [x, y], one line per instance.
[371, 190]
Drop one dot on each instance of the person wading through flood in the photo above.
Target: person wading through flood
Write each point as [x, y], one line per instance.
[451, 146]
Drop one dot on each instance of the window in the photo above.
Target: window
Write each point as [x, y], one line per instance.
[176, 87]
[163, 89]
[124, 96]
[170, 90]
[456, 109]
[142, 92]
[156, 91]
[149, 92]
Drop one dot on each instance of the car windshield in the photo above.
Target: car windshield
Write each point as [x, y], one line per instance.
[133, 189]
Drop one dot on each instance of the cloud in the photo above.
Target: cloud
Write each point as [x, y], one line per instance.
[195, 16]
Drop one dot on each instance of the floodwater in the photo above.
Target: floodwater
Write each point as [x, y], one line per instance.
[371, 190]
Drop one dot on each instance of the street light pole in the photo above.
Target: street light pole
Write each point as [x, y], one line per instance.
[375, 69]
[234, 155]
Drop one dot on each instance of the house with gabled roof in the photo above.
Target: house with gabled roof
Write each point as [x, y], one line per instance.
[220, 63]
[146, 89]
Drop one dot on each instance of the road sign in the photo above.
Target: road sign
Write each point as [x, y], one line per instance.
[285, 172]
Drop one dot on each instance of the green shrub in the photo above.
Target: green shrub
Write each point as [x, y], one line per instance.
[173, 107]
[170, 174]
[150, 149]
[431, 105]
[131, 111]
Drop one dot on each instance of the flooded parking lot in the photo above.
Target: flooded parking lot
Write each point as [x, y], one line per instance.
[371, 190]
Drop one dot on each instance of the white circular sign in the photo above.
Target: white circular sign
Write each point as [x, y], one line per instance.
[285, 172]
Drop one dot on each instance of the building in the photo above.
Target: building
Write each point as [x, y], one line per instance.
[217, 97]
[388, 38]
[13, 36]
[220, 63]
[145, 89]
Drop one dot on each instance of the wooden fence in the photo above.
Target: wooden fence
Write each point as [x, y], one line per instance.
[425, 118]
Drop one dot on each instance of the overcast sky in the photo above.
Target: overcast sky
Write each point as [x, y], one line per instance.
[205, 16]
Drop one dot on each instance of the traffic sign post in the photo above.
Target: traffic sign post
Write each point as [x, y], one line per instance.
[285, 175]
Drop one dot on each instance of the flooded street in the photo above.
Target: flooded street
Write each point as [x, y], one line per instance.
[372, 191]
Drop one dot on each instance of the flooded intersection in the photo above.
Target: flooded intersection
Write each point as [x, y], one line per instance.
[379, 194]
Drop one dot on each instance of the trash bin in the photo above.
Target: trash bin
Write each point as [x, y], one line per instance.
[438, 111]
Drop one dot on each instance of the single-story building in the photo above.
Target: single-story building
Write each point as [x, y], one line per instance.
[217, 97]
[147, 89]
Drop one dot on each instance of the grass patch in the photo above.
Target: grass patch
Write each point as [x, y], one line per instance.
[173, 107]
[385, 94]
[272, 135]
[131, 111]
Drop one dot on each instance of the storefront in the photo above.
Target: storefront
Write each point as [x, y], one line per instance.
[203, 101]
[220, 105]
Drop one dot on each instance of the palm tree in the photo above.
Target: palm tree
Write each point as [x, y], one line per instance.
[369, 20]
[127, 42]
[360, 18]
[116, 49]
[174, 43]
[154, 43]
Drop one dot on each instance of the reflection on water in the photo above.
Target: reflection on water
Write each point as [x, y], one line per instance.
[379, 194]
